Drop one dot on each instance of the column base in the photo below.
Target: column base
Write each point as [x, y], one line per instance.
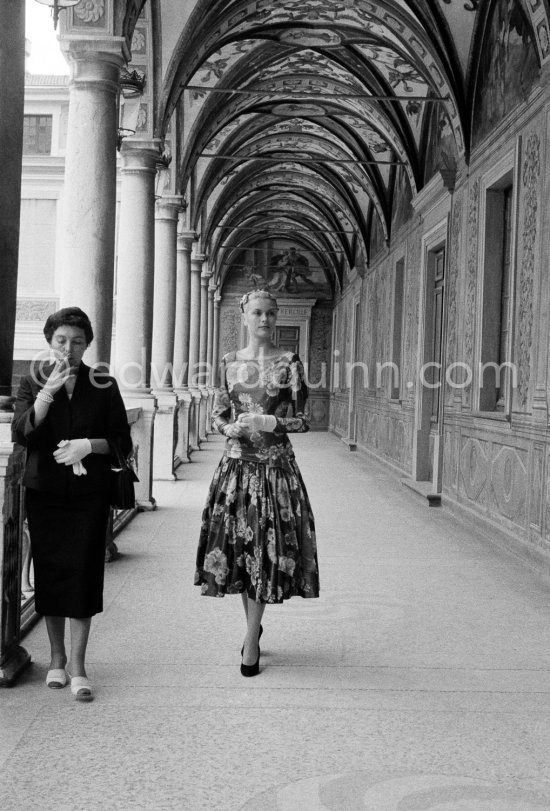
[142, 437]
[164, 445]
[425, 490]
[194, 426]
[203, 418]
[209, 409]
[17, 659]
[182, 454]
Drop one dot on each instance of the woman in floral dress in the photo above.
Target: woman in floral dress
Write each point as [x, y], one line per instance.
[258, 533]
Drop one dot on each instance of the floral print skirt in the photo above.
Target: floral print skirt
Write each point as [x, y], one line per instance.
[258, 533]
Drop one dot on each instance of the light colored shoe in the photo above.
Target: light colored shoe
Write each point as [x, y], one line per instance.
[81, 688]
[56, 679]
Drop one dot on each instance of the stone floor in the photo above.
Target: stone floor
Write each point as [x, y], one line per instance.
[419, 680]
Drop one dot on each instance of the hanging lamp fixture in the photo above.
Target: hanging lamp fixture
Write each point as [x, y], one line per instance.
[57, 6]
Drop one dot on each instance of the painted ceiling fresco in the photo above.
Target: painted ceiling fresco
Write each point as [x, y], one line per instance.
[323, 118]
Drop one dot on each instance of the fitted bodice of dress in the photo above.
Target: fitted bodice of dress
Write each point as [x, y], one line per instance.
[275, 386]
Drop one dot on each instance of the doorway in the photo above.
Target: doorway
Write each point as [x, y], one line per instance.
[287, 338]
[431, 377]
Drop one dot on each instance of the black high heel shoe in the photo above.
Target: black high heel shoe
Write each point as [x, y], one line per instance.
[251, 670]
[259, 637]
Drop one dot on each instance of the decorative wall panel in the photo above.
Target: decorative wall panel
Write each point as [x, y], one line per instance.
[230, 328]
[474, 469]
[321, 341]
[536, 487]
[509, 483]
[339, 414]
[451, 458]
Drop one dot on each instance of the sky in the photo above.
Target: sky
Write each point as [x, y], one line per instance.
[46, 56]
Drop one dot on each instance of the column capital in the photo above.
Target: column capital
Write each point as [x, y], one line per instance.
[168, 208]
[217, 300]
[140, 156]
[206, 275]
[197, 261]
[186, 240]
[96, 59]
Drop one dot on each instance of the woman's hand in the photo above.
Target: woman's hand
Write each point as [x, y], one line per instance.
[233, 430]
[59, 376]
[72, 451]
[257, 422]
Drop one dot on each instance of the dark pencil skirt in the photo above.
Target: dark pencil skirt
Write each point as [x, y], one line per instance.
[68, 549]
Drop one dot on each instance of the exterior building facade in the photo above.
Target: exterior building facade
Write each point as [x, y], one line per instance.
[44, 143]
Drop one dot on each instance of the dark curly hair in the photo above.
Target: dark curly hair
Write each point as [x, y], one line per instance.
[69, 317]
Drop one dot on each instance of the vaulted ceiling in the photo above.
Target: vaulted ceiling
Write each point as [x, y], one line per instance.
[300, 118]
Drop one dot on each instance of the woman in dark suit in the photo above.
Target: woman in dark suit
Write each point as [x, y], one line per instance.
[68, 416]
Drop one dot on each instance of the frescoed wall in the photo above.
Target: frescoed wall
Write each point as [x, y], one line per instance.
[402, 209]
[282, 266]
[508, 67]
[441, 149]
[494, 466]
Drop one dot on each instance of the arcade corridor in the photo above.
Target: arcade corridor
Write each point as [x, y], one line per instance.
[419, 680]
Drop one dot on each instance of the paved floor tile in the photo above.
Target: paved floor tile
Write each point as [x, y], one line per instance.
[419, 680]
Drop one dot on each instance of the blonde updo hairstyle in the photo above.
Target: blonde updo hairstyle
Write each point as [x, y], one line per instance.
[253, 294]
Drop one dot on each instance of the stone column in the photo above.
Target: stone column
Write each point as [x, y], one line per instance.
[203, 352]
[164, 320]
[134, 299]
[210, 352]
[216, 341]
[181, 344]
[87, 249]
[13, 658]
[197, 261]
[210, 355]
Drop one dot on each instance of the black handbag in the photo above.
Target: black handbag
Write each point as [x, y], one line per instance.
[123, 476]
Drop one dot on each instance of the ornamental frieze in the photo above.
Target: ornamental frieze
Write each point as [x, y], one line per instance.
[452, 285]
[410, 351]
[34, 309]
[531, 174]
[90, 11]
[471, 282]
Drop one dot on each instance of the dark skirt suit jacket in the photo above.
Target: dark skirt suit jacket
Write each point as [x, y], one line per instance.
[68, 514]
[95, 410]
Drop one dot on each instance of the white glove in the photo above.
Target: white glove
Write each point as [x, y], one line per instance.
[79, 469]
[71, 451]
[233, 430]
[258, 422]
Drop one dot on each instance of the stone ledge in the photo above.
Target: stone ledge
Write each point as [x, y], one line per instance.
[424, 489]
